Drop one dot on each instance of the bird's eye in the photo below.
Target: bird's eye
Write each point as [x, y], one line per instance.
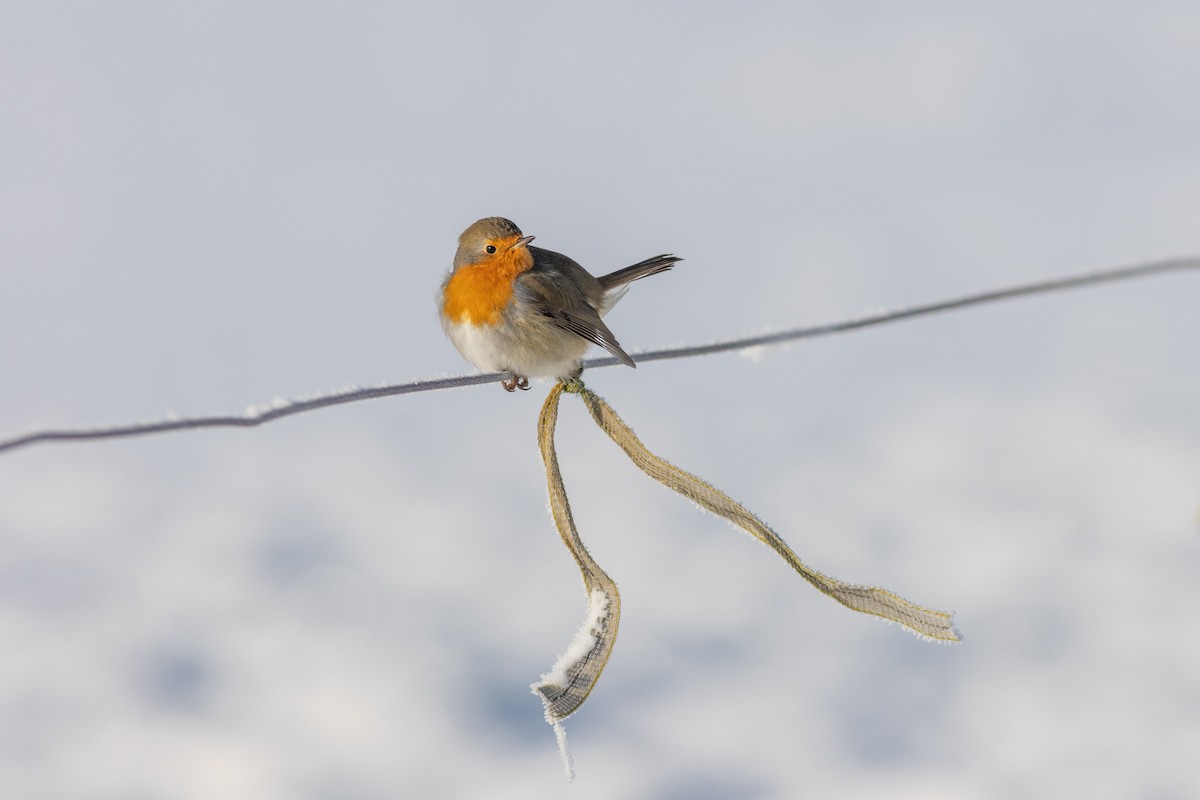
[491, 248]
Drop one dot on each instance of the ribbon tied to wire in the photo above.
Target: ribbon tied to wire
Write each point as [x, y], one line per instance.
[574, 674]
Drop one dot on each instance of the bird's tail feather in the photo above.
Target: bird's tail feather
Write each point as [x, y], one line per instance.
[642, 269]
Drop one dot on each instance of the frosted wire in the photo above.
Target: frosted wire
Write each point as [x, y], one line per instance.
[284, 408]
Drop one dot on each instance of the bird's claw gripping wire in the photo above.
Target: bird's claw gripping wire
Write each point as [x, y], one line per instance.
[515, 382]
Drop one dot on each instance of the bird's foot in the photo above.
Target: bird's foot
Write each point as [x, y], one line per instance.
[515, 382]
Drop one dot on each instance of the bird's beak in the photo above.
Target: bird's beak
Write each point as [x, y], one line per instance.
[524, 240]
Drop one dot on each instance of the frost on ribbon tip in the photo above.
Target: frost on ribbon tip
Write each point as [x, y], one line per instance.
[564, 688]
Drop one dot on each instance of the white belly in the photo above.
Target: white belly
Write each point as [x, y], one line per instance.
[535, 351]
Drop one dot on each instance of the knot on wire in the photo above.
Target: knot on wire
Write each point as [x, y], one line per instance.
[573, 385]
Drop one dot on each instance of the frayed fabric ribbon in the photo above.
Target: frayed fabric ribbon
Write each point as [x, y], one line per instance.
[569, 682]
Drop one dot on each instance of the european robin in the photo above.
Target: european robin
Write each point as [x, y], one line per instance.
[509, 307]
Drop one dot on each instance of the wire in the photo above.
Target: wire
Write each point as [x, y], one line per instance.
[255, 416]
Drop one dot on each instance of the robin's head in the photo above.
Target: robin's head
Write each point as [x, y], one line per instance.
[488, 238]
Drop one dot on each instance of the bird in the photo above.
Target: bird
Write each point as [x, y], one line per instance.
[532, 313]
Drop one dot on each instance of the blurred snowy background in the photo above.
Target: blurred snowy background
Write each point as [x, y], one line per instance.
[205, 206]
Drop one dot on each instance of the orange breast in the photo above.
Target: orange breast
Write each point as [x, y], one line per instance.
[479, 293]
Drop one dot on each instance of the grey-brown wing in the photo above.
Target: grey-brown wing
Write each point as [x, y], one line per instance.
[563, 292]
[587, 324]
